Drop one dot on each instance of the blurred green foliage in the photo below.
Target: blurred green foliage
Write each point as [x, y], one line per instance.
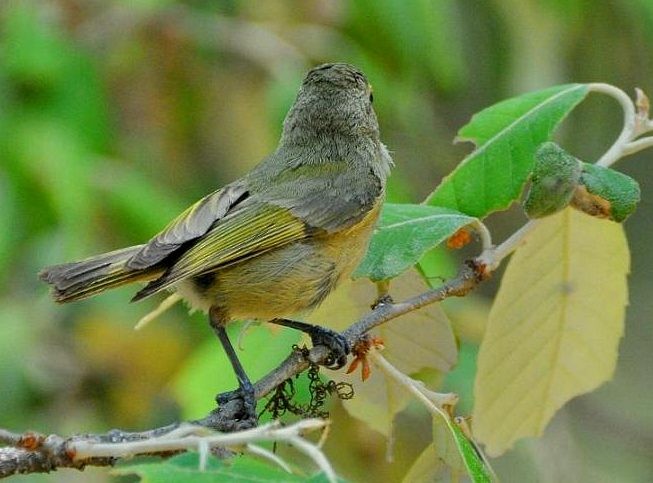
[185, 468]
[116, 115]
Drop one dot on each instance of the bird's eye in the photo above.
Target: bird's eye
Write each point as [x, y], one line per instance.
[371, 97]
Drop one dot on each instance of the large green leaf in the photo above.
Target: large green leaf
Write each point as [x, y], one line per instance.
[405, 232]
[506, 135]
[185, 468]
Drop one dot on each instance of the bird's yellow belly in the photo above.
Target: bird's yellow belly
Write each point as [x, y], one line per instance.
[283, 282]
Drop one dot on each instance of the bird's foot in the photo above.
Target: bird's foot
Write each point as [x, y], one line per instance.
[245, 401]
[382, 300]
[337, 343]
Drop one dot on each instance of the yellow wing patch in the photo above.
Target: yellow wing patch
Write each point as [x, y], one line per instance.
[244, 234]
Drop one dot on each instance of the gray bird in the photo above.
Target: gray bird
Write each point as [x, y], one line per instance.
[276, 242]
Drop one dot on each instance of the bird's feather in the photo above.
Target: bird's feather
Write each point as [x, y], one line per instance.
[251, 230]
[190, 225]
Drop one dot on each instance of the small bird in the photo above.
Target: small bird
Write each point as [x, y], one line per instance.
[274, 243]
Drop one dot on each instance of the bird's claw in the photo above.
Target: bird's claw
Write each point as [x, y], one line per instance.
[337, 343]
[382, 300]
[246, 414]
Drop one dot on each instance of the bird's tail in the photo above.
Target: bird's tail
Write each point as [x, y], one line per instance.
[79, 280]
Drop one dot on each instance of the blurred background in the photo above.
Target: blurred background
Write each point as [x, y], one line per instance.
[115, 115]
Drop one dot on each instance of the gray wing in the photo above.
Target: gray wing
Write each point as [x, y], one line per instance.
[190, 225]
[329, 188]
[328, 201]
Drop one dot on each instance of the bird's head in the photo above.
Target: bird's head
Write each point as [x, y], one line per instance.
[334, 100]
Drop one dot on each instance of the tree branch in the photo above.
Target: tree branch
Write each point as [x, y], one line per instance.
[36, 453]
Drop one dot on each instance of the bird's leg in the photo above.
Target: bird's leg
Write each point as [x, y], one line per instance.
[337, 343]
[246, 389]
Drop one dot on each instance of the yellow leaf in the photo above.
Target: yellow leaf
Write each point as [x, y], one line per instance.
[447, 452]
[376, 401]
[554, 329]
[468, 316]
[440, 461]
[427, 467]
[416, 341]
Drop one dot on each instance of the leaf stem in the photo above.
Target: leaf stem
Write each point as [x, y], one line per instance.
[269, 455]
[638, 145]
[433, 401]
[493, 256]
[635, 124]
[484, 233]
[415, 387]
[313, 452]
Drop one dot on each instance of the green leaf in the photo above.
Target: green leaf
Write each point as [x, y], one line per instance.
[606, 193]
[555, 177]
[404, 234]
[507, 135]
[427, 467]
[449, 457]
[186, 468]
[471, 456]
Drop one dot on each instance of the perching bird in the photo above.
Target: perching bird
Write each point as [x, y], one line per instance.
[276, 242]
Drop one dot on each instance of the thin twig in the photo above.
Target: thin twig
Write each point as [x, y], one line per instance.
[412, 386]
[269, 455]
[493, 256]
[269, 432]
[614, 153]
[638, 145]
[634, 126]
[313, 452]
